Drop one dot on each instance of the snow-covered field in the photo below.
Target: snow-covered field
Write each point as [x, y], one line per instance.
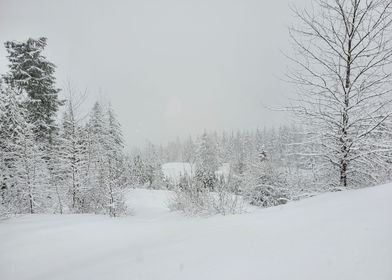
[345, 235]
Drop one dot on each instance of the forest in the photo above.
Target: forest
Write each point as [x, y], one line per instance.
[79, 200]
[57, 158]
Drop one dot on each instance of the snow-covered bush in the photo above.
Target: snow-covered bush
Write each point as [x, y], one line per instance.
[225, 199]
[264, 185]
[266, 196]
[192, 198]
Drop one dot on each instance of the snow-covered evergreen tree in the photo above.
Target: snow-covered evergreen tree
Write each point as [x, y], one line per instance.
[138, 171]
[55, 165]
[96, 172]
[263, 184]
[31, 72]
[207, 162]
[25, 176]
[189, 151]
[73, 155]
[106, 168]
[115, 165]
[10, 128]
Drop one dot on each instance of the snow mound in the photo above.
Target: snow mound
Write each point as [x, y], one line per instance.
[345, 235]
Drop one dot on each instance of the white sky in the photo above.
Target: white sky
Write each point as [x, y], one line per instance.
[170, 68]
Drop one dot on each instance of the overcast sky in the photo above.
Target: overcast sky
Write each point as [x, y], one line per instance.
[169, 67]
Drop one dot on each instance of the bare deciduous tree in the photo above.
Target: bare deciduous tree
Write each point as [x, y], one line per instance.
[343, 58]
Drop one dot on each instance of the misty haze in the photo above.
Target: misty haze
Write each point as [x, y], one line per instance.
[195, 139]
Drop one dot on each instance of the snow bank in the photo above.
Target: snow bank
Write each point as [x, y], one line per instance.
[345, 235]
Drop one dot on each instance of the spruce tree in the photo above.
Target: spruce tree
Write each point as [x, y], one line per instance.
[96, 171]
[207, 162]
[30, 71]
[73, 155]
[106, 162]
[25, 176]
[114, 159]
[10, 128]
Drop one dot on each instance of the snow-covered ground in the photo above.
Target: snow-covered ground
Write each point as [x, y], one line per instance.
[345, 235]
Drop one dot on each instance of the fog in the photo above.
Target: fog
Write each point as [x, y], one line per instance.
[169, 68]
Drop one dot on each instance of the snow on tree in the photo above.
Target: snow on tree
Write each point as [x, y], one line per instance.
[96, 171]
[263, 184]
[55, 166]
[30, 71]
[80, 168]
[10, 128]
[96, 158]
[25, 175]
[73, 153]
[152, 165]
[206, 162]
[342, 53]
[115, 165]
[139, 175]
[189, 151]
[239, 155]
[106, 168]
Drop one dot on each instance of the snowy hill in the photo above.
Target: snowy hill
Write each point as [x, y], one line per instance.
[345, 235]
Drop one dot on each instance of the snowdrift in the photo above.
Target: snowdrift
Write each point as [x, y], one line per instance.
[345, 235]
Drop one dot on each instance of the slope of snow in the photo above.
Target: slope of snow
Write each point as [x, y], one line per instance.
[345, 235]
